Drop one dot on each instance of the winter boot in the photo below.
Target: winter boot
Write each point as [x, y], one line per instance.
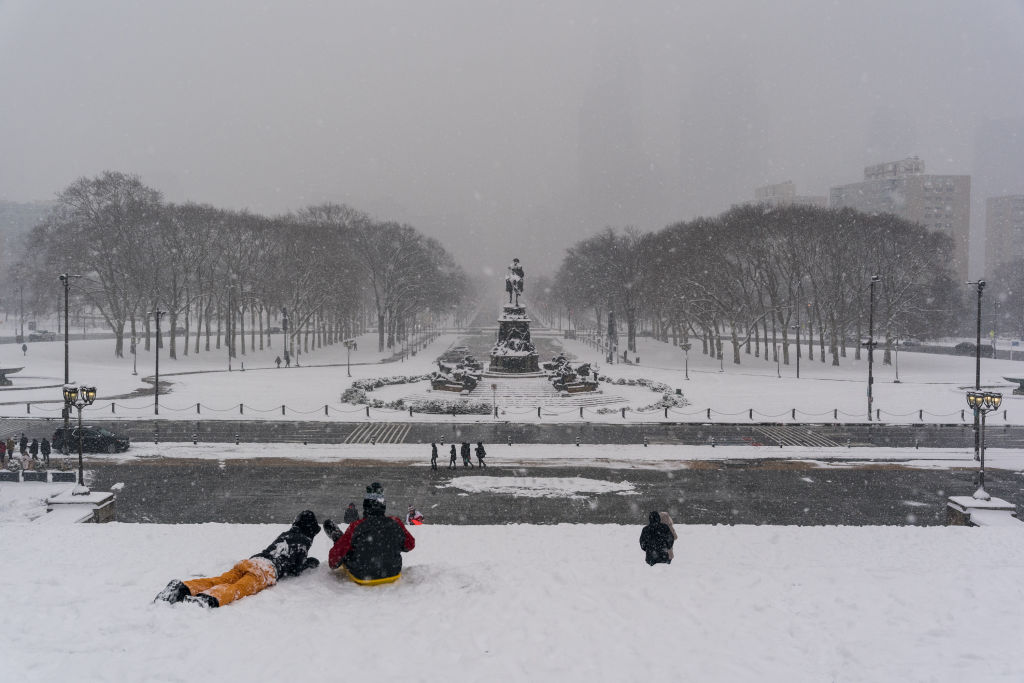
[332, 530]
[175, 591]
[203, 600]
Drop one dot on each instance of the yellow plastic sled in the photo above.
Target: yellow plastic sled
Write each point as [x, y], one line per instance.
[343, 571]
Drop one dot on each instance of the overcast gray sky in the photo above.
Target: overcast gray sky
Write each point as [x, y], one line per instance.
[502, 128]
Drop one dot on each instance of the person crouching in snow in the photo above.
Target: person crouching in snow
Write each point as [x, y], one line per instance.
[370, 550]
[413, 516]
[657, 538]
[288, 555]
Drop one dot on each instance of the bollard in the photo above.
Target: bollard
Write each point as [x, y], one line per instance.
[920, 416]
[878, 415]
[961, 414]
[197, 409]
[712, 442]
[750, 414]
[793, 413]
[241, 409]
[509, 441]
[835, 414]
[581, 411]
[623, 413]
[28, 407]
[156, 436]
[195, 439]
[303, 442]
[410, 411]
[325, 409]
[709, 413]
[847, 443]
[538, 411]
[495, 411]
[367, 411]
[666, 412]
[645, 442]
[577, 442]
[236, 439]
[917, 444]
[282, 409]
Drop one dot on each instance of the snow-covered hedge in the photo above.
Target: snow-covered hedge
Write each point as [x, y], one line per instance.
[372, 383]
[651, 384]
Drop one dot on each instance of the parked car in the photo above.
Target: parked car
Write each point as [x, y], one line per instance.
[41, 335]
[94, 440]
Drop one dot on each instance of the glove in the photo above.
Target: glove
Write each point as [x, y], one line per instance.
[310, 563]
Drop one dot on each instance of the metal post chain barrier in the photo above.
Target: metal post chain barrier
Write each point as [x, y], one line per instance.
[28, 408]
[835, 414]
[509, 441]
[750, 415]
[645, 441]
[920, 416]
[367, 411]
[195, 438]
[577, 442]
[793, 414]
[240, 410]
[156, 436]
[282, 409]
[623, 413]
[325, 409]
[709, 413]
[197, 409]
[538, 411]
[112, 408]
[581, 411]
[236, 439]
[878, 414]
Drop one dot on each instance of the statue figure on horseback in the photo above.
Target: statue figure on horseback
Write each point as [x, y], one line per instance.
[514, 281]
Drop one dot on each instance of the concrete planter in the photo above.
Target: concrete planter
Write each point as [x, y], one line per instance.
[63, 477]
[34, 475]
[8, 475]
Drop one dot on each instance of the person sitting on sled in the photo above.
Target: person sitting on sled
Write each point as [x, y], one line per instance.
[286, 556]
[370, 549]
[657, 538]
[414, 516]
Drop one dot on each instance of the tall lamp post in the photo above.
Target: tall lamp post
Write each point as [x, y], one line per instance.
[871, 342]
[982, 403]
[348, 355]
[78, 397]
[797, 328]
[980, 284]
[685, 346]
[65, 280]
[157, 314]
[284, 335]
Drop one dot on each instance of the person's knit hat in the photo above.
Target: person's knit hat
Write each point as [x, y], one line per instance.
[306, 523]
[373, 501]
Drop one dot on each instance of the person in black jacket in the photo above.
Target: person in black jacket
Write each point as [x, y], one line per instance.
[288, 555]
[480, 454]
[44, 448]
[466, 461]
[370, 550]
[451, 461]
[433, 456]
[351, 514]
[657, 539]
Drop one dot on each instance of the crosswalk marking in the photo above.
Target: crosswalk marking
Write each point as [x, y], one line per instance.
[795, 436]
[379, 432]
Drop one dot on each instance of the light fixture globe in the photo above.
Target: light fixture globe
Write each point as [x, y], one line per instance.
[974, 400]
[993, 400]
[70, 392]
[89, 395]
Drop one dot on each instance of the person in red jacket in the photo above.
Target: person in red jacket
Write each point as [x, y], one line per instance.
[370, 549]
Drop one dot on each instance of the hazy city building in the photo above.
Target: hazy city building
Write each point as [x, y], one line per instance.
[1004, 231]
[938, 202]
[998, 172]
[784, 194]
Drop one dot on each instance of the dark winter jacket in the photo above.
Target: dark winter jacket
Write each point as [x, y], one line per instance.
[351, 513]
[289, 551]
[656, 540]
[465, 451]
[372, 547]
[452, 452]
[480, 452]
[33, 448]
[44, 448]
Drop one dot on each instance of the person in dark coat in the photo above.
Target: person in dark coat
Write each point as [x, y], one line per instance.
[23, 446]
[33, 449]
[657, 539]
[288, 555]
[433, 456]
[45, 449]
[480, 453]
[3, 453]
[451, 462]
[466, 462]
[370, 550]
[351, 514]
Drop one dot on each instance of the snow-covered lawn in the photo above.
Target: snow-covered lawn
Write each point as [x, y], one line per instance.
[931, 387]
[525, 603]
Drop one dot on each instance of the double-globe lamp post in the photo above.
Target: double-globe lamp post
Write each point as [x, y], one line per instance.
[870, 343]
[65, 280]
[982, 403]
[78, 397]
[980, 284]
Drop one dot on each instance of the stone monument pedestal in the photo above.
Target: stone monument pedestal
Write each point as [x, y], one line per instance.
[513, 352]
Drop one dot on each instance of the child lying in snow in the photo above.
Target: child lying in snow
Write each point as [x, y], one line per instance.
[286, 556]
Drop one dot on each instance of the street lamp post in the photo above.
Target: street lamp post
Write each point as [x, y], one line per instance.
[135, 355]
[65, 280]
[78, 397]
[980, 284]
[797, 328]
[897, 380]
[348, 355]
[871, 342]
[284, 336]
[982, 403]
[157, 314]
[686, 357]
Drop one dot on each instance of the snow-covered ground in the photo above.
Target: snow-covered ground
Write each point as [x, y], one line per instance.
[931, 387]
[525, 603]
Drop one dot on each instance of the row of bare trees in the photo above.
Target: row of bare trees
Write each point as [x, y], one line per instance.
[330, 268]
[749, 277]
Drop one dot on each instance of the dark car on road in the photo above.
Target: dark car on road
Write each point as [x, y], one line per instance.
[94, 440]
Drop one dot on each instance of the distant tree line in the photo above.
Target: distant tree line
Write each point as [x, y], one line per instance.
[745, 280]
[219, 273]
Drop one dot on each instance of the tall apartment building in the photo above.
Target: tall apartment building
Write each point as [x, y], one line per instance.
[1004, 231]
[938, 202]
[784, 194]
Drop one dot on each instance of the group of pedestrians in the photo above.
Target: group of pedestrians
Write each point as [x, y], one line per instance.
[29, 453]
[453, 454]
[368, 551]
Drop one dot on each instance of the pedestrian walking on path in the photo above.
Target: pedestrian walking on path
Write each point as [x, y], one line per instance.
[466, 462]
[351, 514]
[278, 361]
[45, 449]
[451, 463]
[33, 449]
[23, 446]
[433, 456]
[3, 453]
[657, 538]
[480, 453]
